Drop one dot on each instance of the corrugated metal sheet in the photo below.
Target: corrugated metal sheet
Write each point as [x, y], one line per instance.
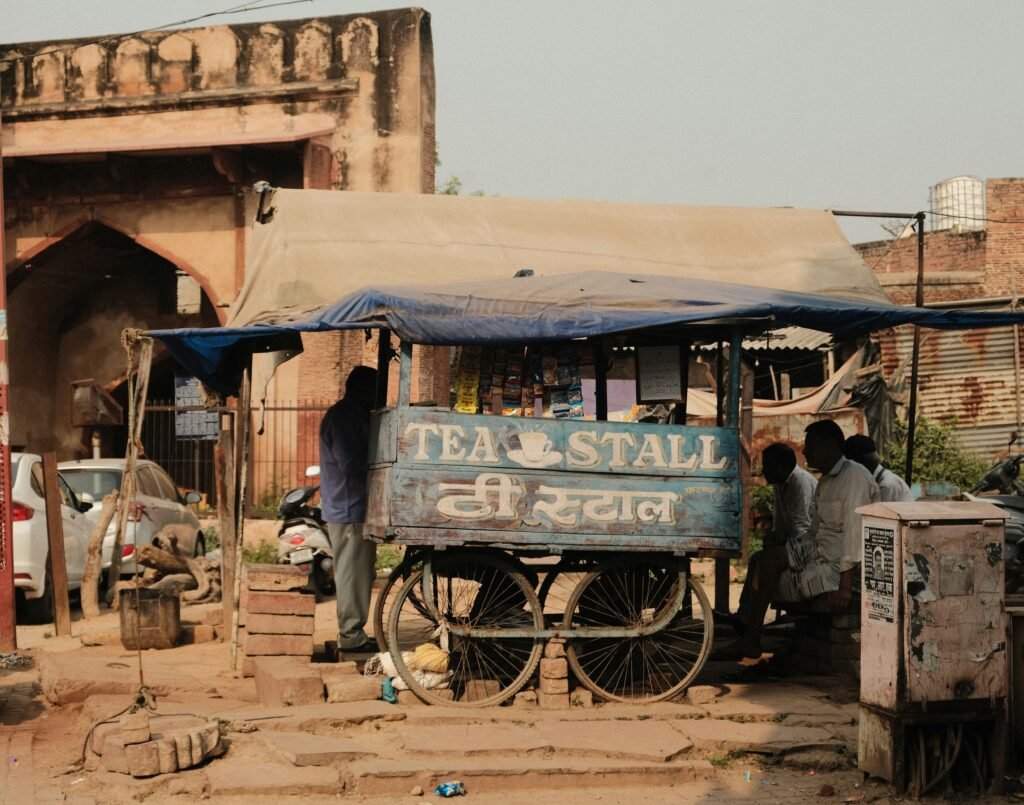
[783, 338]
[967, 377]
[789, 338]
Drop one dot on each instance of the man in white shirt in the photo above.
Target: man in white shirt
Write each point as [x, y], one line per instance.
[826, 561]
[891, 488]
[792, 512]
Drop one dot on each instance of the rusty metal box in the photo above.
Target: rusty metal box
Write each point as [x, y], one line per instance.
[933, 627]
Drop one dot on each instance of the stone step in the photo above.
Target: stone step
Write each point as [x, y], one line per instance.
[654, 742]
[306, 749]
[324, 718]
[251, 781]
[496, 775]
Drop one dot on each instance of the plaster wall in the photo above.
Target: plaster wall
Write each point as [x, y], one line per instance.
[159, 136]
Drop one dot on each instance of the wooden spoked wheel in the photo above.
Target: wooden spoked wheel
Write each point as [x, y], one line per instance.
[637, 593]
[467, 591]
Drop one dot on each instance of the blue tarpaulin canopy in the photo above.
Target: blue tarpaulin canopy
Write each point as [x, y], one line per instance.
[551, 308]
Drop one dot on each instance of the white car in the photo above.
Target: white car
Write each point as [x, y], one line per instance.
[30, 543]
[157, 504]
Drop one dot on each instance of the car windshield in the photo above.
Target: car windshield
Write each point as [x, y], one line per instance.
[92, 484]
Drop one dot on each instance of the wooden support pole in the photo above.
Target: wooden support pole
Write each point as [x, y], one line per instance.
[746, 451]
[383, 364]
[242, 428]
[722, 580]
[56, 564]
[138, 389]
[600, 381]
[405, 376]
[224, 471]
[93, 555]
[8, 632]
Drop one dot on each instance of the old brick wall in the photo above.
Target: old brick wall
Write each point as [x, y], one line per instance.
[954, 266]
[966, 377]
[1004, 201]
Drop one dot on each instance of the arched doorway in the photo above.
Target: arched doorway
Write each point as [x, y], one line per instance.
[68, 306]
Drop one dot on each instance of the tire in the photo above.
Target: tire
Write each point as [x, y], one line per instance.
[649, 668]
[321, 581]
[40, 610]
[464, 595]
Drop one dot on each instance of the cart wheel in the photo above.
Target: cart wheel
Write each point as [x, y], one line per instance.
[468, 591]
[386, 599]
[627, 594]
[556, 588]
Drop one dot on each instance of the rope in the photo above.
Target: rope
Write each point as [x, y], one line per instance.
[138, 369]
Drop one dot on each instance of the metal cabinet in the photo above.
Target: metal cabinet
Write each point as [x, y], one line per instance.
[933, 635]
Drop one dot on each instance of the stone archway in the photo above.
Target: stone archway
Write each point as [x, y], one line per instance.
[68, 306]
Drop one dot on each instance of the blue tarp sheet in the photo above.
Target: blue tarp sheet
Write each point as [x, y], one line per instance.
[551, 308]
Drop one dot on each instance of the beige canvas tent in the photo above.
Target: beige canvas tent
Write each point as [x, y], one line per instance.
[318, 246]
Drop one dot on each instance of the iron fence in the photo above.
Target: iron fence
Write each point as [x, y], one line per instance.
[278, 457]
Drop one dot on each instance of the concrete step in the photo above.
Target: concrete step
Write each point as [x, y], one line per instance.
[496, 775]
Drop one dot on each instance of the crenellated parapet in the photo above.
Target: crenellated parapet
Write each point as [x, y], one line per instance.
[293, 60]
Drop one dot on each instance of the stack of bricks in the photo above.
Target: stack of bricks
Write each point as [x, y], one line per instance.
[278, 615]
[553, 691]
[829, 644]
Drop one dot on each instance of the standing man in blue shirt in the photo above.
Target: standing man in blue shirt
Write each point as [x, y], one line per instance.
[344, 455]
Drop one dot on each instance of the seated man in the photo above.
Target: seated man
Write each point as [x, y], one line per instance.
[792, 512]
[891, 488]
[827, 561]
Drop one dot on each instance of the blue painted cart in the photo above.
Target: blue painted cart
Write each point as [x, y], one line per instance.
[519, 530]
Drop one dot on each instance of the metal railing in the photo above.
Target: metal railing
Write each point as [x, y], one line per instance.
[278, 457]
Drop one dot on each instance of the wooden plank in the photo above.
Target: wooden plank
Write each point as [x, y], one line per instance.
[55, 556]
[588, 504]
[443, 438]
[383, 427]
[552, 543]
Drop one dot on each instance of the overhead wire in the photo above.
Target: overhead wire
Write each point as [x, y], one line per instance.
[256, 5]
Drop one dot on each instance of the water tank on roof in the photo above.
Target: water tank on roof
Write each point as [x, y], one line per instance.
[958, 204]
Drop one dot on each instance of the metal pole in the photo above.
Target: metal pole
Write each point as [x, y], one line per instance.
[8, 635]
[915, 358]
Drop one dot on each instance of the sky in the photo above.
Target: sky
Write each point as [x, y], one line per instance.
[821, 104]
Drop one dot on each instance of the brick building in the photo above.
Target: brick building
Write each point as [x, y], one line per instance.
[971, 259]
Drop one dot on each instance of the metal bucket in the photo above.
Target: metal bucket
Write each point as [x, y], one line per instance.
[150, 619]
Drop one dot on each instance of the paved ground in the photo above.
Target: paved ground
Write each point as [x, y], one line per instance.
[770, 741]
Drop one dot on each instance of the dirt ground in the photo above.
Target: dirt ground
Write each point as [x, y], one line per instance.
[42, 741]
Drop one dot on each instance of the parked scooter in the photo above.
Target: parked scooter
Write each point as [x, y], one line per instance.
[302, 538]
[1003, 479]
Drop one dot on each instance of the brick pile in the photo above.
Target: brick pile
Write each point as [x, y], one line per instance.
[283, 681]
[277, 614]
[553, 688]
[829, 644]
